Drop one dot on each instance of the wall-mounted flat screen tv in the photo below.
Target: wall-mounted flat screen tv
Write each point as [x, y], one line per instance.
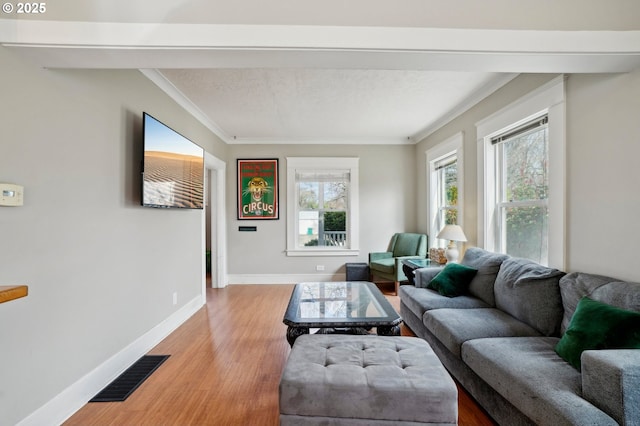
[173, 168]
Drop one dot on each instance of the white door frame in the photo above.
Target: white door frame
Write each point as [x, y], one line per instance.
[216, 187]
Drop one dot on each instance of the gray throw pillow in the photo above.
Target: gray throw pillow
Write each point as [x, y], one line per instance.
[576, 285]
[531, 293]
[488, 265]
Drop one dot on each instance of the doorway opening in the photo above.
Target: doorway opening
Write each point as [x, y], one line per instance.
[214, 271]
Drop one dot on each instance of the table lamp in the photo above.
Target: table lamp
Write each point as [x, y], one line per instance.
[452, 233]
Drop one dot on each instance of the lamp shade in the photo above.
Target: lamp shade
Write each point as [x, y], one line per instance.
[452, 233]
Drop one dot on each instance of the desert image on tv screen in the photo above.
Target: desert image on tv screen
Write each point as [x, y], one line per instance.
[173, 168]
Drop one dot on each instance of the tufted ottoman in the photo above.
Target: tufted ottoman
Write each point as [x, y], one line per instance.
[365, 380]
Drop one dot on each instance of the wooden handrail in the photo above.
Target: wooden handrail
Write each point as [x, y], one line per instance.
[12, 292]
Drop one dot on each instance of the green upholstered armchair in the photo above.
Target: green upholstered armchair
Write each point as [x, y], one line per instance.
[388, 265]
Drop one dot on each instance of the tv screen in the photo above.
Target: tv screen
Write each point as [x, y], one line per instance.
[173, 168]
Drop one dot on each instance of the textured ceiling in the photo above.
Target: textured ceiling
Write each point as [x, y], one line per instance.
[326, 105]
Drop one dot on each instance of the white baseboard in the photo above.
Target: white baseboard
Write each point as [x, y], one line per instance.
[65, 404]
[282, 279]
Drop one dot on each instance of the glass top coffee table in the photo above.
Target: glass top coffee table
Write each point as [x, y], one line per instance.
[352, 307]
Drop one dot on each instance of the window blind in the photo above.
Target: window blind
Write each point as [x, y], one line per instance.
[521, 130]
[322, 176]
[445, 162]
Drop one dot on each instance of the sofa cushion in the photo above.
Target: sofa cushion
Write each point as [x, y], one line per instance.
[576, 285]
[528, 373]
[420, 300]
[453, 280]
[531, 293]
[453, 327]
[596, 325]
[488, 265]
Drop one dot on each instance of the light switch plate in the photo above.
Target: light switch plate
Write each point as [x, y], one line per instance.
[11, 195]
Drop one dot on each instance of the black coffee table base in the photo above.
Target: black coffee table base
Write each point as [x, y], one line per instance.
[294, 332]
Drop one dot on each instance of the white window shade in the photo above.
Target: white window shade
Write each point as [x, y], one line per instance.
[322, 176]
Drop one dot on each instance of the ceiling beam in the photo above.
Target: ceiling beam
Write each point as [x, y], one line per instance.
[123, 45]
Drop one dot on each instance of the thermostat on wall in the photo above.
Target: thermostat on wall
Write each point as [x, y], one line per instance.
[11, 195]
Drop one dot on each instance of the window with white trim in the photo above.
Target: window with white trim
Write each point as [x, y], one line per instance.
[522, 190]
[445, 178]
[521, 177]
[322, 206]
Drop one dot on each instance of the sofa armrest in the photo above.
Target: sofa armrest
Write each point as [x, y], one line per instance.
[424, 275]
[379, 255]
[611, 382]
[400, 275]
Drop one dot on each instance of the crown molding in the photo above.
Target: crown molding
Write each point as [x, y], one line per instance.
[174, 93]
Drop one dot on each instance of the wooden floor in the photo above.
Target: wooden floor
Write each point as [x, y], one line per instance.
[224, 368]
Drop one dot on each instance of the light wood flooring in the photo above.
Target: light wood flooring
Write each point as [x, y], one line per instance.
[224, 368]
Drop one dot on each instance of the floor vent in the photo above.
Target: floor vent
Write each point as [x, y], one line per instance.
[127, 382]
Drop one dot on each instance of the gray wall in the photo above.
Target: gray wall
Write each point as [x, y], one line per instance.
[101, 270]
[603, 135]
[603, 145]
[387, 205]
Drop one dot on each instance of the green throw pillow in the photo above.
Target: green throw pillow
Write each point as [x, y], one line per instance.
[453, 280]
[596, 325]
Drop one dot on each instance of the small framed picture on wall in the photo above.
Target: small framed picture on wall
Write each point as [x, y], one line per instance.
[257, 189]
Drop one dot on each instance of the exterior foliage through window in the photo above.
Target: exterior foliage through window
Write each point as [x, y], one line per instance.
[322, 208]
[522, 191]
[446, 186]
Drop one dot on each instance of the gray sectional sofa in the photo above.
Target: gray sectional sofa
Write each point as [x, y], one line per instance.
[498, 340]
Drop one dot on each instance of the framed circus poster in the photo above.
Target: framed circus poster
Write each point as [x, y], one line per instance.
[258, 189]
